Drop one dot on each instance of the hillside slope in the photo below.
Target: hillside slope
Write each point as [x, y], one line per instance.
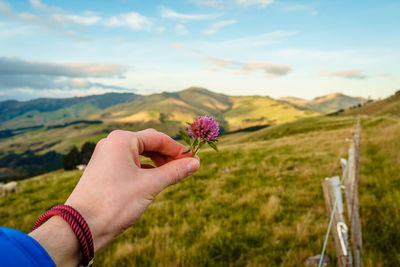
[48, 111]
[247, 111]
[387, 106]
[324, 104]
[179, 107]
[248, 203]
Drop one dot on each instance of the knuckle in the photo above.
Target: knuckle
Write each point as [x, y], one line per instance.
[115, 134]
[151, 130]
[100, 142]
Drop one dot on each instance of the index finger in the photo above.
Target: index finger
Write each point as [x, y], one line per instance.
[152, 140]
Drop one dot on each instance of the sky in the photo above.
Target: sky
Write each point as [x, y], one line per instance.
[55, 48]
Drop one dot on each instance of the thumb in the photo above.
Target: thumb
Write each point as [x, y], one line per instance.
[174, 171]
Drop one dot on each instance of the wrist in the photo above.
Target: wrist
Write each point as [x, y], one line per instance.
[58, 239]
[97, 227]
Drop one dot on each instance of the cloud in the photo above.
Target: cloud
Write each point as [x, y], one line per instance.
[19, 73]
[347, 74]
[223, 4]
[56, 22]
[73, 69]
[212, 3]
[177, 46]
[171, 14]
[130, 20]
[5, 7]
[181, 29]
[214, 28]
[261, 3]
[37, 4]
[269, 68]
[300, 7]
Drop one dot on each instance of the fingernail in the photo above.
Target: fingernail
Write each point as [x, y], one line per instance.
[193, 166]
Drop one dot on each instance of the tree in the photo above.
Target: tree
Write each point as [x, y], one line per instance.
[163, 117]
[86, 152]
[71, 159]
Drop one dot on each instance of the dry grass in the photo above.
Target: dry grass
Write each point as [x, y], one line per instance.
[246, 204]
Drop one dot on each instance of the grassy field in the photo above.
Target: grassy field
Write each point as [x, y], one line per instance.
[247, 203]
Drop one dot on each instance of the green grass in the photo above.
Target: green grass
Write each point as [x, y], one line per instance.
[246, 204]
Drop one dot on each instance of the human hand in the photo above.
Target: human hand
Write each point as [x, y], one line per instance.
[116, 189]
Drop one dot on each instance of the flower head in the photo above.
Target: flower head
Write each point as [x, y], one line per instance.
[204, 128]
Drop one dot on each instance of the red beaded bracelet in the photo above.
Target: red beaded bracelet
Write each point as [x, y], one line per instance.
[78, 225]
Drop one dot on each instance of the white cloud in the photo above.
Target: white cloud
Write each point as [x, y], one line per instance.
[224, 4]
[272, 69]
[56, 22]
[171, 14]
[261, 3]
[77, 19]
[5, 7]
[161, 29]
[300, 7]
[214, 28]
[212, 3]
[177, 46]
[181, 29]
[347, 74]
[130, 20]
[37, 4]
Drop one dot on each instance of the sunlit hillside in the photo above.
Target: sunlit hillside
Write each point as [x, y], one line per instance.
[247, 203]
[325, 104]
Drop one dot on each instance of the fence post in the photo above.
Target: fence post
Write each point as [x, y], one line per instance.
[355, 224]
[332, 193]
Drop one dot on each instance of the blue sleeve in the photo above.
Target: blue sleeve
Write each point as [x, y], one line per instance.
[19, 249]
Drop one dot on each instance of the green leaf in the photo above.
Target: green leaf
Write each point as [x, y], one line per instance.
[188, 123]
[185, 137]
[202, 143]
[212, 145]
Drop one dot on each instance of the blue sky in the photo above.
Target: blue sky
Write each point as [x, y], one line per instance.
[239, 47]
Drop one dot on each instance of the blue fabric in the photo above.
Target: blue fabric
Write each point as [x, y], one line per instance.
[19, 249]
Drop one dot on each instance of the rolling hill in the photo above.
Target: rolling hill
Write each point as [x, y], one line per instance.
[232, 112]
[49, 111]
[387, 106]
[96, 116]
[324, 104]
[252, 204]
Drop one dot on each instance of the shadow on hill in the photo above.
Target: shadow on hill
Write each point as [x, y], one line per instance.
[15, 166]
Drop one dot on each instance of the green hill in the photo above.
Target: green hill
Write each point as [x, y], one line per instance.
[387, 106]
[248, 203]
[232, 112]
[325, 104]
[49, 111]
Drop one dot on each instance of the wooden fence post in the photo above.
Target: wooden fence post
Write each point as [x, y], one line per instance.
[332, 193]
[351, 180]
[355, 223]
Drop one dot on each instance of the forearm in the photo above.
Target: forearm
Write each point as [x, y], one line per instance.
[58, 239]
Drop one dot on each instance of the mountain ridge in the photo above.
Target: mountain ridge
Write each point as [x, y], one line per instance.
[326, 103]
[233, 112]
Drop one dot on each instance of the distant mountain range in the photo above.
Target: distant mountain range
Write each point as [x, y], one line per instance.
[233, 112]
[324, 104]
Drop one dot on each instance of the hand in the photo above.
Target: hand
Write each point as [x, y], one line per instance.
[116, 188]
